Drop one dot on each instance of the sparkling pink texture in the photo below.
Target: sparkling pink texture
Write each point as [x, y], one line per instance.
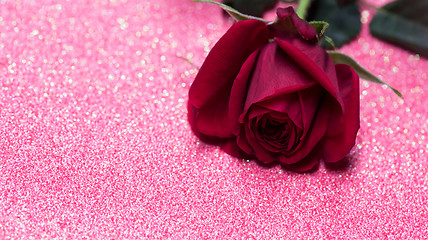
[95, 143]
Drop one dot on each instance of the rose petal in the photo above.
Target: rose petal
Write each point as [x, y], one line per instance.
[260, 152]
[256, 111]
[288, 25]
[309, 163]
[288, 104]
[225, 60]
[293, 139]
[192, 113]
[310, 103]
[239, 92]
[231, 147]
[212, 119]
[211, 89]
[243, 144]
[337, 147]
[315, 62]
[314, 135]
[275, 74]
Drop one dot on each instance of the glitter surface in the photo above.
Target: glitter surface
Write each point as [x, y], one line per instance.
[94, 139]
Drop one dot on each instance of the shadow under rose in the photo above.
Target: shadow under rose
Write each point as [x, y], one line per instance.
[345, 164]
[287, 168]
[306, 165]
[341, 166]
[310, 164]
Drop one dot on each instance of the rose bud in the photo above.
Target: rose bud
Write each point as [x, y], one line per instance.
[270, 92]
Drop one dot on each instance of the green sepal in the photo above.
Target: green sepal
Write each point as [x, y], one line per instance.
[320, 26]
[360, 70]
[233, 12]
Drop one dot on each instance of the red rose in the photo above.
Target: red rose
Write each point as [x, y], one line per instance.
[268, 91]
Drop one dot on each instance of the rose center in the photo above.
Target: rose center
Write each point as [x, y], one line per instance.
[280, 134]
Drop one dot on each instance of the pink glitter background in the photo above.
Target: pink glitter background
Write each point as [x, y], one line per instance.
[94, 139]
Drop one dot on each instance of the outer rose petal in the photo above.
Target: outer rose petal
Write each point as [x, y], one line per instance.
[209, 93]
[338, 146]
[212, 117]
[231, 148]
[226, 58]
[191, 116]
[239, 92]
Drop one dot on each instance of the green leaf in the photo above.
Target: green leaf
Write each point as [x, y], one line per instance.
[234, 13]
[251, 7]
[320, 26]
[343, 17]
[362, 72]
[405, 23]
